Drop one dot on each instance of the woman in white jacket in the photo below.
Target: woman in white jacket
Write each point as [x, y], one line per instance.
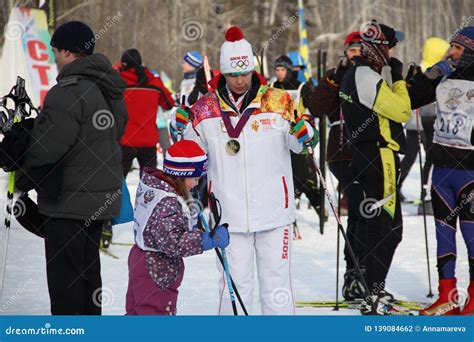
[248, 130]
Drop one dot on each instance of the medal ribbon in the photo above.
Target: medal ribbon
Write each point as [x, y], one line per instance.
[232, 131]
[237, 103]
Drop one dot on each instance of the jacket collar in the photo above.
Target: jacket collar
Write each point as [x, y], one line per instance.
[252, 98]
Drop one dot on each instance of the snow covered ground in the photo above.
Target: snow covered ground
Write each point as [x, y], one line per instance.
[313, 267]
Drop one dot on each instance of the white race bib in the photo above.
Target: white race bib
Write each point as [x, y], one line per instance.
[147, 199]
[454, 114]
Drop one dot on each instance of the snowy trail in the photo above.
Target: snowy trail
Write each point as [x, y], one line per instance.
[313, 267]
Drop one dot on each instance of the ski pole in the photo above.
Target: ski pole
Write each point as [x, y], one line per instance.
[339, 195]
[207, 72]
[430, 294]
[341, 229]
[223, 261]
[225, 265]
[216, 210]
[322, 146]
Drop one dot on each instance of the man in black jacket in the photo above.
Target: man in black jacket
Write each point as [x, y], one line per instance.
[78, 133]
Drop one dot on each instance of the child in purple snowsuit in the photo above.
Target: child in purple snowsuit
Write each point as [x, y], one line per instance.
[165, 231]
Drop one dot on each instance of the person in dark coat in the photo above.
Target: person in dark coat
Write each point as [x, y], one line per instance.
[78, 132]
[326, 101]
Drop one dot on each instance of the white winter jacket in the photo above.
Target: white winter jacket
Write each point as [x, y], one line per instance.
[255, 186]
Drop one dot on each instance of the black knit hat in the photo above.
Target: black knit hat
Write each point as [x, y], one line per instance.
[283, 61]
[74, 36]
[131, 58]
[393, 36]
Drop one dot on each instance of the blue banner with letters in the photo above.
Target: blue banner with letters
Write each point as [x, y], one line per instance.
[230, 329]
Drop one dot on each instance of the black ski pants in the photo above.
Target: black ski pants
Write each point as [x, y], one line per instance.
[377, 170]
[304, 178]
[356, 224]
[146, 157]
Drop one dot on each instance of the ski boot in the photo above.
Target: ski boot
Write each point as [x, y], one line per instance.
[447, 304]
[386, 296]
[381, 308]
[106, 237]
[352, 289]
[468, 309]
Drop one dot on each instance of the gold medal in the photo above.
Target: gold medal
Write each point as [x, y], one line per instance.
[232, 147]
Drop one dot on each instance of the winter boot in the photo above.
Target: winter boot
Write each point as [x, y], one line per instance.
[447, 304]
[468, 309]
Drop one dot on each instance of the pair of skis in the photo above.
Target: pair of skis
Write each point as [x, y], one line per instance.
[399, 307]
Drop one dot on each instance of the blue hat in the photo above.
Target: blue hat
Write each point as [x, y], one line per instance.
[464, 37]
[193, 58]
[74, 36]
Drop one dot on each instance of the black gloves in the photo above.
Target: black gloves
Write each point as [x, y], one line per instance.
[339, 73]
[397, 69]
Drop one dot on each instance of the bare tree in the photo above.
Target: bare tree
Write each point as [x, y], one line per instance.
[164, 30]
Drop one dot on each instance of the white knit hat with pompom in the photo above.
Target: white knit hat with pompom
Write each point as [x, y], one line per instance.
[236, 53]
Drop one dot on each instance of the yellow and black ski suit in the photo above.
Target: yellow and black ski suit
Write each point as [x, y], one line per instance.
[374, 112]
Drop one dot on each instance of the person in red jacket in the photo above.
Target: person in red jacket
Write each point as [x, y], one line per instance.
[144, 93]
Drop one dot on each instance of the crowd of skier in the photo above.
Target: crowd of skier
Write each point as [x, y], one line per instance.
[243, 146]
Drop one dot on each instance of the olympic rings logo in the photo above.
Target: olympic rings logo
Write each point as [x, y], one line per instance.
[240, 65]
